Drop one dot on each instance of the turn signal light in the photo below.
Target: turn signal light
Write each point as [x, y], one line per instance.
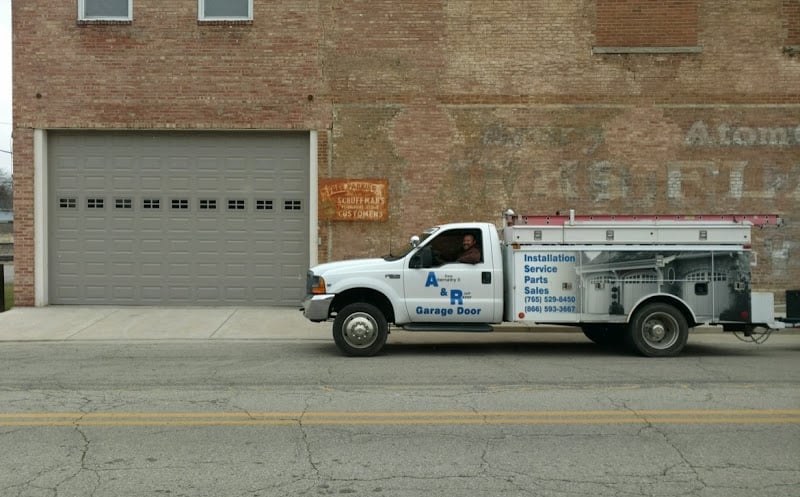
[318, 286]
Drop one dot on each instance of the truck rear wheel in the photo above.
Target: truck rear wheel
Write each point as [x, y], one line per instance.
[360, 329]
[658, 330]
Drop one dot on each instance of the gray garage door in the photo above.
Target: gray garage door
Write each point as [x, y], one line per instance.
[178, 218]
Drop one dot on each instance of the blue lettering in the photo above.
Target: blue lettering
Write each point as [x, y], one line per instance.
[468, 311]
[456, 297]
[435, 311]
[431, 281]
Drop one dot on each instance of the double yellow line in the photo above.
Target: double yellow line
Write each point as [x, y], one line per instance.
[349, 418]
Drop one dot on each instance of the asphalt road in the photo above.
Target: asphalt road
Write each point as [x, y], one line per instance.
[549, 415]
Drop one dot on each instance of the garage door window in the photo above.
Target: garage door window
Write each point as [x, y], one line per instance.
[292, 205]
[180, 203]
[225, 10]
[105, 10]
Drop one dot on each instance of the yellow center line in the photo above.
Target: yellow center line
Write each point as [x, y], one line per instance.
[276, 418]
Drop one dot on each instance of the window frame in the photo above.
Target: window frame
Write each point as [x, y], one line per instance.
[84, 18]
[202, 18]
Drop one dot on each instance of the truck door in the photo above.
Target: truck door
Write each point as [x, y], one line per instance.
[445, 290]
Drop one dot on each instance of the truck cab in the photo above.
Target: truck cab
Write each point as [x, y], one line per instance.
[423, 288]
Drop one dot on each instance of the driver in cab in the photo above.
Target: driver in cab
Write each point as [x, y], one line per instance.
[470, 253]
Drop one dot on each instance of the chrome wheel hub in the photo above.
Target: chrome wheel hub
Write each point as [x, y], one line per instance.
[360, 330]
[660, 331]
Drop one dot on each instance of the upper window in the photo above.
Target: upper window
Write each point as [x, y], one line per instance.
[225, 10]
[105, 10]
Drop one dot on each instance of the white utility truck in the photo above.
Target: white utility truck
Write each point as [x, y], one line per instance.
[641, 280]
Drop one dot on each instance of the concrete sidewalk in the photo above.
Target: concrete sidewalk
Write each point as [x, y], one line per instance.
[157, 323]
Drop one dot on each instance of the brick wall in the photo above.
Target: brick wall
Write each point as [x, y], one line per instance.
[646, 23]
[23, 217]
[791, 13]
[466, 107]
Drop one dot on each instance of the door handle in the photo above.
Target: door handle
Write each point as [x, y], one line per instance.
[486, 277]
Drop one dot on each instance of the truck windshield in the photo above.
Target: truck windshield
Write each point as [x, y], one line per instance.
[393, 256]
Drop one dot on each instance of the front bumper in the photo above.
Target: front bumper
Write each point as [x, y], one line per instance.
[317, 307]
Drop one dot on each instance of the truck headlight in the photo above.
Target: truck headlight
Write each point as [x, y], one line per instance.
[315, 285]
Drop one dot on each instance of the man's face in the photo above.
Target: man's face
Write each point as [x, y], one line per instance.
[468, 242]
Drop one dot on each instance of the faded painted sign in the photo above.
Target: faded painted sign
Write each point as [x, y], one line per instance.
[353, 199]
[724, 134]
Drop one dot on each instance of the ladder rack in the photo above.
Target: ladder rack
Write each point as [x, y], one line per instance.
[560, 219]
[671, 229]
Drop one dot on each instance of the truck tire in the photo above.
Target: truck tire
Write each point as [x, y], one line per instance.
[658, 330]
[360, 329]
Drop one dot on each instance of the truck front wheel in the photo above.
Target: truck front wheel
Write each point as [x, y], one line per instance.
[658, 330]
[360, 329]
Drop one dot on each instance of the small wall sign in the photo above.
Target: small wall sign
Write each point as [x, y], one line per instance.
[353, 199]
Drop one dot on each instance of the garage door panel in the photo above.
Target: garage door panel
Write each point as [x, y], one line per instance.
[180, 294]
[124, 164]
[207, 184]
[233, 185]
[96, 292]
[181, 248]
[71, 183]
[208, 295]
[150, 184]
[124, 178]
[178, 184]
[69, 268]
[94, 183]
[265, 292]
[68, 245]
[290, 293]
[238, 294]
[178, 218]
[94, 163]
[124, 293]
[177, 269]
[234, 270]
[151, 269]
[206, 270]
[123, 269]
[268, 185]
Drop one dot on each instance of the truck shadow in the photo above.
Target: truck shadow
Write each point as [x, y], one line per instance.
[556, 349]
[498, 348]
[553, 348]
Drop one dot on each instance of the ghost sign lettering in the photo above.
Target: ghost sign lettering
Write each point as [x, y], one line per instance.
[353, 199]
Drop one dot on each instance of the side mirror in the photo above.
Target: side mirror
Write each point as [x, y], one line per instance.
[414, 241]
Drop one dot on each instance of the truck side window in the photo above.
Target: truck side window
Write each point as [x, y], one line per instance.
[449, 247]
